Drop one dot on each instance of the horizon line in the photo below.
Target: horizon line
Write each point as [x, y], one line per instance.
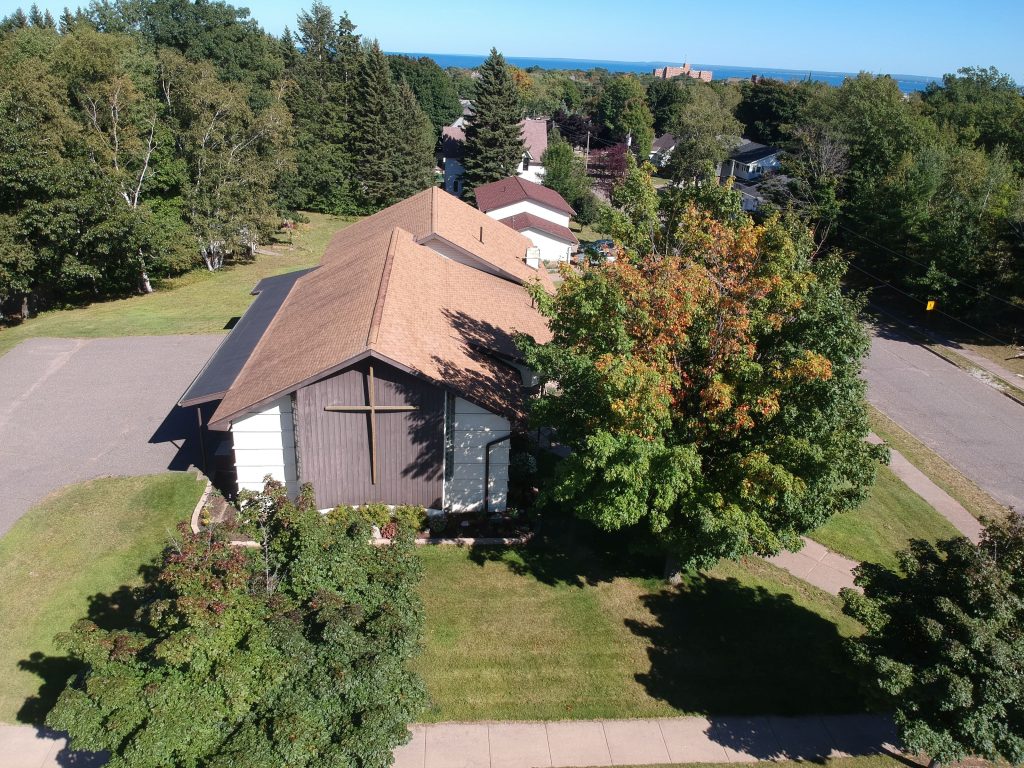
[663, 63]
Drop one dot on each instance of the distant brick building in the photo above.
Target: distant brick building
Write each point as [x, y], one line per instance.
[667, 73]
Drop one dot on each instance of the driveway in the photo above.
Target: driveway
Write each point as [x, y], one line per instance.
[967, 422]
[75, 409]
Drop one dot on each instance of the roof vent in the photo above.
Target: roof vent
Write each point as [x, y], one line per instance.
[481, 233]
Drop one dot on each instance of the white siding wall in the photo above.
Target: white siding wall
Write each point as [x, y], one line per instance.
[264, 444]
[534, 173]
[453, 171]
[551, 249]
[472, 428]
[528, 206]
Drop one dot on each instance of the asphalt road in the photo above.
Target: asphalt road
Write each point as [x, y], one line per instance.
[967, 422]
[76, 409]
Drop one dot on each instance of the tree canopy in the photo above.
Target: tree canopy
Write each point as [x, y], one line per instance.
[494, 136]
[944, 646]
[708, 387]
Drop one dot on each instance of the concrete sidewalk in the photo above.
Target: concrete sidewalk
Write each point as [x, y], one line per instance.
[644, 742]
[940, 501]
[818, 566]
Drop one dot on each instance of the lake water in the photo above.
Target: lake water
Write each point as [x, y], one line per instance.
[907, 83]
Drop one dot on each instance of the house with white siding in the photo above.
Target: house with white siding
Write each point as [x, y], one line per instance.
[534, 210]
[453, 144]
[390, 372]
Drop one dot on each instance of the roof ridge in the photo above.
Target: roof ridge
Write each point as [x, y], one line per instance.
[382, 290]
[433, 208]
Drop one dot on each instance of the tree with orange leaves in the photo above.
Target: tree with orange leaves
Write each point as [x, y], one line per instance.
[709, 389]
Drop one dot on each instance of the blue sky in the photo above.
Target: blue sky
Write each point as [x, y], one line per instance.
[891, 36]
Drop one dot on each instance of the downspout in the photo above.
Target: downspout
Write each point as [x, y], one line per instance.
[487, 470]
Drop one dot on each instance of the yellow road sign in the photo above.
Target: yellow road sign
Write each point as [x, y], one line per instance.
[931, 305]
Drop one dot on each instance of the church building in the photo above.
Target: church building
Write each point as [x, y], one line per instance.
[388, 373]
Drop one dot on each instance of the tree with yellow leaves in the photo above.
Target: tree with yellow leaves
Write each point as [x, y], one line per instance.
[708, 389]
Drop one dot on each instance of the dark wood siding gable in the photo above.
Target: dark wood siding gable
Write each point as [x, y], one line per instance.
[334, 447]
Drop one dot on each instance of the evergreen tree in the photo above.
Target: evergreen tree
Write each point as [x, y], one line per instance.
[434, 88]
[323, 55]
[494, 135]
[372, 141]
[414, 144]
[944, 646]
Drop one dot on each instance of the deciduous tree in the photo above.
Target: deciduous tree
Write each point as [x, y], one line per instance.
[710, 391]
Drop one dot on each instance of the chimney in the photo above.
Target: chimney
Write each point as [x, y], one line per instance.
[533, 257]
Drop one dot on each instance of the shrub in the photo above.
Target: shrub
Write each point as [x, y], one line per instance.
[294, 653]
[437, 524]
[411, 517]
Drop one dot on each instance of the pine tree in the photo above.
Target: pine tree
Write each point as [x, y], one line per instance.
[494, 135]
[414, 143]
[372, 141]
[321, 55]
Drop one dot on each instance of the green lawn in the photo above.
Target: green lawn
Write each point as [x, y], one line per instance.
[66, 559]
[532, 635]
[197, 302]
[885, 523]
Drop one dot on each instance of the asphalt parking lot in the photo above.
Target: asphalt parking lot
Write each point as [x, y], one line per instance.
[76, 409]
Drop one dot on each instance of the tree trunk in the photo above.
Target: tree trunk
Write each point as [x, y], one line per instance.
[144, 285]
[673, 575]
[24, 306]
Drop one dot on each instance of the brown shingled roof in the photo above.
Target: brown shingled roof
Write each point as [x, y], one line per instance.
[379, 292]
[504, 192]
[433, 213]
[522, 221]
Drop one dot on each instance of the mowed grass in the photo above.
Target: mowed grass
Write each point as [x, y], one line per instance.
[197, 302]
[66, 559]
[885, 523]
[527, 635]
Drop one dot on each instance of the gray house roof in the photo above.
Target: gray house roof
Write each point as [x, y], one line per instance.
[223, 367]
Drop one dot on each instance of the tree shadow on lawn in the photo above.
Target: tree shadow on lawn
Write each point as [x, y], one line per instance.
[576, 553]
[718, 646]
[112, 611]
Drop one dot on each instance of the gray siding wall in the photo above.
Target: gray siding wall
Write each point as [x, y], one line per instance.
[334, 448]
[472, 428]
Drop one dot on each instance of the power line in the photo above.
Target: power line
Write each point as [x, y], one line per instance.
[939, 311]
[979, 289]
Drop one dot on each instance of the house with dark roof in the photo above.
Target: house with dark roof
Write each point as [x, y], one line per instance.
[388, 373]
[661, 150]
[534, 210]
[749, 161]
[453, 144]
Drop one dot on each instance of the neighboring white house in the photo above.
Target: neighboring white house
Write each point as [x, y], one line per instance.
[453, 145]
[661, 150]
[750, 161]
[533, 210]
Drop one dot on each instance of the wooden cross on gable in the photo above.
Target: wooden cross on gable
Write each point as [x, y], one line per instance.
[372, 409]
